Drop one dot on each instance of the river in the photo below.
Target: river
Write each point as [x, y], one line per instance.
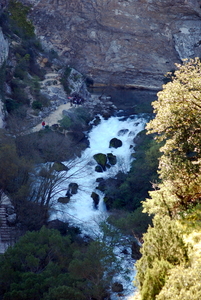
[80, 211]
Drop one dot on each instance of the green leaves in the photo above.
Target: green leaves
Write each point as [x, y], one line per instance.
[165, 271]
[183, 284]
[178, 124]
[163, 249]
[18, 13]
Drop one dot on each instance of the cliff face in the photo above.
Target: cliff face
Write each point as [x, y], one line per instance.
[123, 42]
[3, 57]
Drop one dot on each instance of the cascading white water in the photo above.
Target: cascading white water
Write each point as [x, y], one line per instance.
[80, 210]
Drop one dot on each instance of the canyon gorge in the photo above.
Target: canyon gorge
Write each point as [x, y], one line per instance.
[130, 43]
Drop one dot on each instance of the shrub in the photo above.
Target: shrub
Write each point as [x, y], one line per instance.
[18, 14]
[11, 105]
[37, 105]
[65, 122]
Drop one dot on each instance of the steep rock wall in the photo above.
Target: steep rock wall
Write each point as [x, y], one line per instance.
[122, 42]
[3, 57]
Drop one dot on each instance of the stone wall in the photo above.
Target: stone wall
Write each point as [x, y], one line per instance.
[121, 42]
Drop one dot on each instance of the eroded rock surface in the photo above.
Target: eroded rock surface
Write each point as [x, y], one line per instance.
[3, 57]
[120, 42]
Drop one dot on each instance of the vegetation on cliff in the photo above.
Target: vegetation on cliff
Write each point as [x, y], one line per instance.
[44, 264]
[175, 203]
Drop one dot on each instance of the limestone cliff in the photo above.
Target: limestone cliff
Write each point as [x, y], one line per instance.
[122, 42]
[3, 57]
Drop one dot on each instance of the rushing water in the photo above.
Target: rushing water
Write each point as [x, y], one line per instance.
[80, 211]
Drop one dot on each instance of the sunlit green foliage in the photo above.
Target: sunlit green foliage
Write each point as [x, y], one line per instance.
[178, 124]
[165, 270]
[182, 284]
[163, 248]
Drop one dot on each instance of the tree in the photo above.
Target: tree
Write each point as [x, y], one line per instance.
[182, 284]
[34, 264]
[14, 169]
[178, 124]
[46, 265]
[163, 248]
[96, 265]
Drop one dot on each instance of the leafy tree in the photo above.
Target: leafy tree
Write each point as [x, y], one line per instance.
[182, 284]
[155, 278]
[46, 265]
[64, 293]
[178, 125]
[13, 168]
[96, 266]
[34, 264]
[163, 248]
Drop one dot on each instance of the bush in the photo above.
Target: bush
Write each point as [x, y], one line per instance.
[18, 14]
[37, 105]
[65, 122]
[11, 105]
[131, 223]
[64, 80]
[20, 96]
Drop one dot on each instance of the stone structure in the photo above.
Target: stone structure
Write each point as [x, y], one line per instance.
[121, 42]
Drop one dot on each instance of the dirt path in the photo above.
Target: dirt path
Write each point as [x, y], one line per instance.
[54, 117]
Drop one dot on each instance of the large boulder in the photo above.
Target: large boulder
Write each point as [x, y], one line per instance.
[11, 216]
[115, 143]
[117, 287]
[11, 219]
[122, 132]
[101, 159]
[63, 200]
[58, 166]
[112, 159]
[72, 189]
[96, 199]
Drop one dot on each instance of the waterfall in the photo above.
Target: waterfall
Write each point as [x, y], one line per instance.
[80, 211]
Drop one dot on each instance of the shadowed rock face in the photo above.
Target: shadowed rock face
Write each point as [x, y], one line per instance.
[121, 42]
[3, 48]
[3, 57]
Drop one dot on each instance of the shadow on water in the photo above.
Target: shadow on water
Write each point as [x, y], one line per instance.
[132, 101]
